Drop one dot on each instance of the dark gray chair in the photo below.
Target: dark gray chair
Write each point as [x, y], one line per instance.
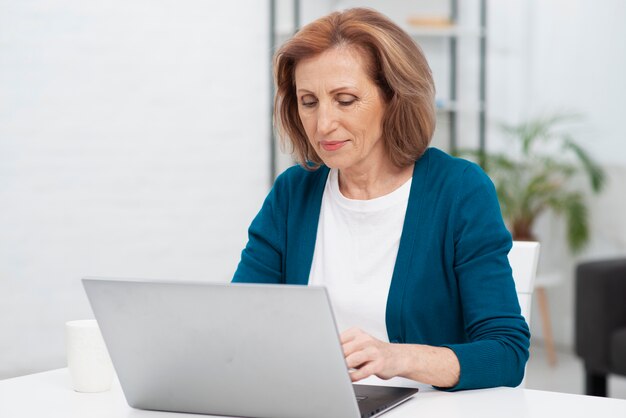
[601, 321]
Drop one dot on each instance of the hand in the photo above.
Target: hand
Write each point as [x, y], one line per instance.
[437, 366]
[368, 355]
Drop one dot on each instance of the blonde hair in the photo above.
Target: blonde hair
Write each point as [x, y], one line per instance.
[395, 63]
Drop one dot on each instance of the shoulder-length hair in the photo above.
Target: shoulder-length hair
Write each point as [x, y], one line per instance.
[395, 63]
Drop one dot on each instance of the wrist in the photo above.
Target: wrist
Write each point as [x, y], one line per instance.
[436, 366]
[406, 359]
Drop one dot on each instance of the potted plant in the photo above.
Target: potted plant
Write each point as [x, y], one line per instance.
[541, 171]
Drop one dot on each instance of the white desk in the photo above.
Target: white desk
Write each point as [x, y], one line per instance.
[49, 395]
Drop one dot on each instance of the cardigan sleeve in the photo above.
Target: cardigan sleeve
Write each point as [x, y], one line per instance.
[262, 259]
[498, 336]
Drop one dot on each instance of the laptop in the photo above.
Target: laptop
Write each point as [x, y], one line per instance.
[246, 350]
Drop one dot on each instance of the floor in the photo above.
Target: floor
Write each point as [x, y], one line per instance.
[567, 376]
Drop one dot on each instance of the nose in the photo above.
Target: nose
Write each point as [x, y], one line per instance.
[326, 118]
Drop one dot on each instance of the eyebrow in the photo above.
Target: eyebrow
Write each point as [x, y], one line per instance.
[333, 91]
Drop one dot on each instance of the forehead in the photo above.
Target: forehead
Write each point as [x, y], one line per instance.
[339, 64]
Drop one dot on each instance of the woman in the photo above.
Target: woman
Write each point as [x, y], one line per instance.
[409, 241]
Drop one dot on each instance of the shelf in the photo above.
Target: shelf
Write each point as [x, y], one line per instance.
[451, 31]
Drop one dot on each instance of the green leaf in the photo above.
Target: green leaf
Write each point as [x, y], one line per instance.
[577, 222]
[595, 173]
[540, 172]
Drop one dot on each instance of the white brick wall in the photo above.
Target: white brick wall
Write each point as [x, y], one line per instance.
[133, 142]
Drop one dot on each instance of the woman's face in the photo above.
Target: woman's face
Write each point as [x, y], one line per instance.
[341, 109]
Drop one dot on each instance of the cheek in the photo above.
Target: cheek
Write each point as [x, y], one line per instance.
[308, 123]
[375, 121]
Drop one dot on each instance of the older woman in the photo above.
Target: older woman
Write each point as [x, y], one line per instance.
[408, 240]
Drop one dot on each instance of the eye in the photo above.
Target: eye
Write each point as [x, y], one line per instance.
[308, 101]
[346, 99]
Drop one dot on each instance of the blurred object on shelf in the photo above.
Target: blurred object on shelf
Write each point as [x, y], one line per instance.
[430, 21]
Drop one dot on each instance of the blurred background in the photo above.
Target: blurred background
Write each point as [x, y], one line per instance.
[135, 141]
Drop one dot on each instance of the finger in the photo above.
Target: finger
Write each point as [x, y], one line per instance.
[349, 335]
[362, 373]
[351, 347]
[362, 342]
[357, 341]
[357, 360]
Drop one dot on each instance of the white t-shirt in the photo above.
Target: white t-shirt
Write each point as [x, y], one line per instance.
[355, 253]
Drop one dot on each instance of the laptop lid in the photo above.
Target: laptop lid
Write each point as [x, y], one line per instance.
[226, 349]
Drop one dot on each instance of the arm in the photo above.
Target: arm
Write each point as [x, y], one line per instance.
[262, 258]
[498, 337]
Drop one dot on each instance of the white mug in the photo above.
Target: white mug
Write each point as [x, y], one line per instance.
[88, 360]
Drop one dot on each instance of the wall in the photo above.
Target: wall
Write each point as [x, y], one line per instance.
[133, 142]
[566, 55]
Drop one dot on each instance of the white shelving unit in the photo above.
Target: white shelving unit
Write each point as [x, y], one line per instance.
[450, 32]
[454, 105]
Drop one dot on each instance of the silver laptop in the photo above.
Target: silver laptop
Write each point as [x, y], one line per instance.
[230, 349]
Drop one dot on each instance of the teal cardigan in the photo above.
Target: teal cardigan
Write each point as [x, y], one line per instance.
[451, 285]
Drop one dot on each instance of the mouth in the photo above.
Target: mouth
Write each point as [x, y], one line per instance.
[332, 145]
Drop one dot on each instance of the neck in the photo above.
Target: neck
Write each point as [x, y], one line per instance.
[374, 182]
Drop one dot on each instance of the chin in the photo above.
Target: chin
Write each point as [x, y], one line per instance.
[335, 162]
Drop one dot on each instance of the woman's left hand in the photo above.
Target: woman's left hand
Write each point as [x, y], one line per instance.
[369, 356]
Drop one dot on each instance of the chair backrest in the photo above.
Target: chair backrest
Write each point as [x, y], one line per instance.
[523, 259]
